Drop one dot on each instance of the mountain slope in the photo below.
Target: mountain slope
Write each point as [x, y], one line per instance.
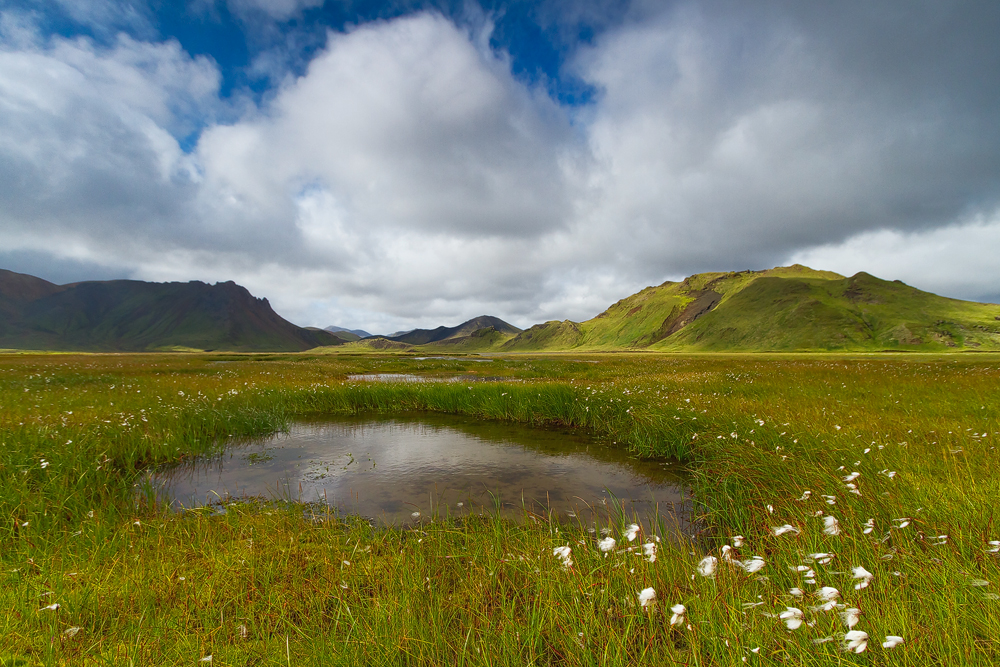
[129, 315]
[425, 336]
[786, 308]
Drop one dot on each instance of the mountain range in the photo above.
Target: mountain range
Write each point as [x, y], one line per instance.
[131, 315]
[791, 308]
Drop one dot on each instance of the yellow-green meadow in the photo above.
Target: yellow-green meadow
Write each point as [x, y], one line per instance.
[843, 503]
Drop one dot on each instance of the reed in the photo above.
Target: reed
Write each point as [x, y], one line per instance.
[281, 583]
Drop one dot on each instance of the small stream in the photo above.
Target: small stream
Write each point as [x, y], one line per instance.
[390, 468]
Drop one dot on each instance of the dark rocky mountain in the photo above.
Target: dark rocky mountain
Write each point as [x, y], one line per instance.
[131, 315]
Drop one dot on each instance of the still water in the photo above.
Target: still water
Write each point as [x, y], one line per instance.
[388, 469]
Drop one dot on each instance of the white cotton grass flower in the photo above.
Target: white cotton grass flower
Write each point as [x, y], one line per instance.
[706, 567]
[853, 476]
[796, 592]
[869, 526]
[606, 544]
[792, 616]
[892, 641]
[864, 575]
[647, 597]
[649, 551]
[738, 540]
[994, 547]
[805, 495]
[207, 658]
[679, 611]
[565, 555]
[821, 557]
[770, 509]
[781, 530]
[71, 632]
[851, 616]
[52, 607]
[632, 532]
[828, 595]
[830, 500]
[903, 523]
[979, 583]
[755, 564]
[831, 526]
[415, 515]
[856, 640]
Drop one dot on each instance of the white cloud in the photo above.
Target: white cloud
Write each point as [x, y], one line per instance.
[408, 179]
[958, 260]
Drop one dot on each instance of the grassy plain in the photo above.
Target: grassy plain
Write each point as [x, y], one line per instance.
[273, 584]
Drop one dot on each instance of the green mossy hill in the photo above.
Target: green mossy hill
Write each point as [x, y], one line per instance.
[782, 309]
[487, 338]
[131, 315]
[424, 336]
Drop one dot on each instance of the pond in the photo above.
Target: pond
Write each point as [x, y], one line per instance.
[404, 469]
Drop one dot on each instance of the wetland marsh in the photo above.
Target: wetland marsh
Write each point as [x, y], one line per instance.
[803, 469]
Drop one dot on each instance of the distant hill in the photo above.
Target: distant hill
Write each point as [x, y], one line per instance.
[425, 336]
[131, 315]
[354, 334]
[781, 309]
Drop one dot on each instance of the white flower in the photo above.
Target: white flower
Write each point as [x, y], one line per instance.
[796, 592]
[564, 554]
[888, 473]
[631, 532]
[606, 544]
[851, 616]
[649, 551]
[836, 426]
[979, 582]
[903, 523]
[44, 464]
[678, 614]
[415, 515]
[829, 595]
[822, 557]
[869, 526]
[805, 495]
[792, 616]
[647, 596]
[770, 509]
[853, 476]
[864, 575]
[706, 567]
[207, 658]
[831, 526]
[994, 547]
[856, 640]
[756, 564]
[738, 541]
[831, 500]
[892, 641]
[52, 607]
[781, 530]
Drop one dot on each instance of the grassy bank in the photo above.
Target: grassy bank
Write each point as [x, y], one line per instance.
[276, 585]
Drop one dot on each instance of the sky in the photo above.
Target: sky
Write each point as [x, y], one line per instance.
[416, 163]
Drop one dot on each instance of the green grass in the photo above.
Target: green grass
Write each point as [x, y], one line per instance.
[271, 584]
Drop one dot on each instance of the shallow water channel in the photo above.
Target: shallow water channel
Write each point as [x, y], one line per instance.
[388, 469]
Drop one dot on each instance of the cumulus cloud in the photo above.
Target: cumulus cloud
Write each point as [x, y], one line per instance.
[408, 178]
